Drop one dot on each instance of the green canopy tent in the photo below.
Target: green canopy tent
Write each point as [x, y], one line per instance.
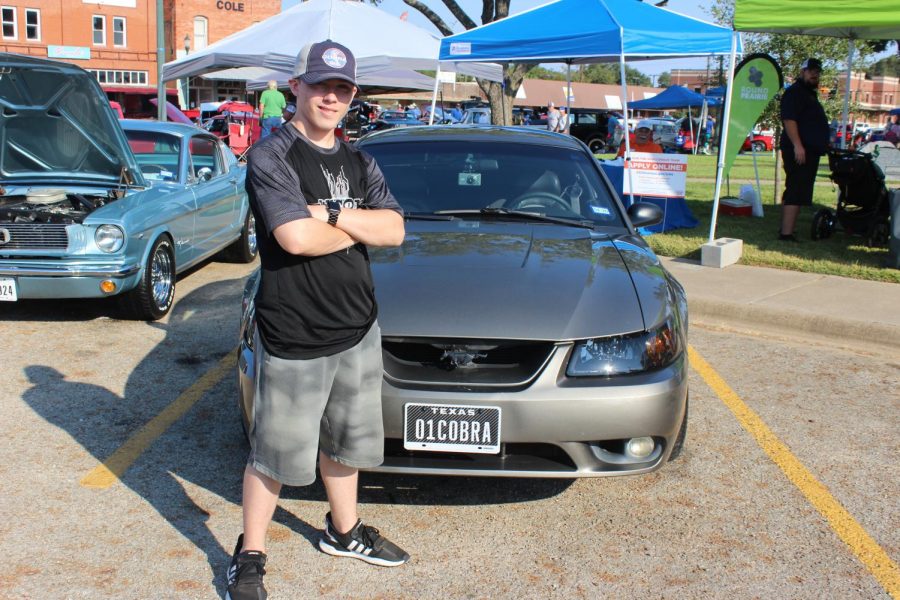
[851, 19]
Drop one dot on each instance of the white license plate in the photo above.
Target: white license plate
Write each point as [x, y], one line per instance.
[8, 290]
[451, 428]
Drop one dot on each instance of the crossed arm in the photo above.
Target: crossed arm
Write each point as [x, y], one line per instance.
[315, 237]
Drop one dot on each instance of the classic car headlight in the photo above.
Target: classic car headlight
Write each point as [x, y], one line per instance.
[623, 354]
[109, 238]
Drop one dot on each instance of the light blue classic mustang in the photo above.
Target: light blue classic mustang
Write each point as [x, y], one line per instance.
[92, 207]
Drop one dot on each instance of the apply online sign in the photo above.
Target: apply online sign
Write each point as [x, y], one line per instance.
[656, 175]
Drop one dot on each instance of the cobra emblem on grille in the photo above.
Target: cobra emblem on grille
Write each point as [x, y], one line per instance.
[4, 236]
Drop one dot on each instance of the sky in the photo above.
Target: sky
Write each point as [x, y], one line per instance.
[691, 8]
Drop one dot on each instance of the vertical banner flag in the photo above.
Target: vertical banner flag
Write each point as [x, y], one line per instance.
[757, 79]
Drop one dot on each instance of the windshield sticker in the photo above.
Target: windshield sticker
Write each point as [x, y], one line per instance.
[600, 210]
[469, 179]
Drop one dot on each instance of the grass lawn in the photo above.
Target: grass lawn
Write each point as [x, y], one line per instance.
[842, 254]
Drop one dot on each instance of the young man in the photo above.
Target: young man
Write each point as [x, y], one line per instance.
[318, 347]
[805, 140]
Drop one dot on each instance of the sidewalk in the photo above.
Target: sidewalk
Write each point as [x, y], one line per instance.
[837, 310]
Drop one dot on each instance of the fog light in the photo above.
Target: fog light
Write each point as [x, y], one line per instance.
[641, 447]
[107, 286]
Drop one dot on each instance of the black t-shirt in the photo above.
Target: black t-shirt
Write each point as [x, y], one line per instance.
[801, 104]
[311, 306]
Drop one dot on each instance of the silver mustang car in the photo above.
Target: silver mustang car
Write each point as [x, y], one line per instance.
[527, 328]
[91, 207]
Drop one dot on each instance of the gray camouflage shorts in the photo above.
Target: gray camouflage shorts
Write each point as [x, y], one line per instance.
[332, 404]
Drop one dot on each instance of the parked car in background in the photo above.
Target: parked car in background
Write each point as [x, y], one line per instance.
[477, 115]
[589, 126]
[389, 119]
[527, 329]
[758, 142]
[94, 207]
[665, 132]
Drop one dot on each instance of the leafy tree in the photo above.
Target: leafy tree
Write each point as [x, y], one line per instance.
[664, 79]
[609, 73]
[539, 72]
[890, 66]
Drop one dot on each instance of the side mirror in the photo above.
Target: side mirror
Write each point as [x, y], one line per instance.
[205, 174]
[644, 214]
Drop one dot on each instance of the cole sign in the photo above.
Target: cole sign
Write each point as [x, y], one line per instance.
[229, 5]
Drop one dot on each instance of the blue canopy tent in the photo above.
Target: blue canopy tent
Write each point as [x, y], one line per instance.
[672, 97]
[590, 31]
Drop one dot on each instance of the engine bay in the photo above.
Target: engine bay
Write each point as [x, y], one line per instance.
[49, 206]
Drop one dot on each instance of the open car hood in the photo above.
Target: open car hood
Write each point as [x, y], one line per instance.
[56, 127]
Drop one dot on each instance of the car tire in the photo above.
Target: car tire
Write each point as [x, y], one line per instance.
[822, 225]
[678, 446]
[244, 249]
[154, 295]
[758, 147]
[597, 145]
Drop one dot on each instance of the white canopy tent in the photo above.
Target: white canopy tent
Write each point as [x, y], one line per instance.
[377, 39]
[374, 81]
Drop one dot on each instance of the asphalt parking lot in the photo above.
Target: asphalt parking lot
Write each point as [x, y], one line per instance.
[123, 464]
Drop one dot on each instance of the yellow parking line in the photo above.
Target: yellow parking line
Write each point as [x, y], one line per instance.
[108, 472]
[842, 522]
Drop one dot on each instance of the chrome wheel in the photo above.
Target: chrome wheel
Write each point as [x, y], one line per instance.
[162, 274]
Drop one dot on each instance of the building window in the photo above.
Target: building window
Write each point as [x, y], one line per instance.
[32, 24]
[201, 28]
[120, 77]
[119, 38]
[10, 29]
[99, 30]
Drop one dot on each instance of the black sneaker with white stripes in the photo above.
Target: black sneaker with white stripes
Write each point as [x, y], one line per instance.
[362, 542]
[245, 575]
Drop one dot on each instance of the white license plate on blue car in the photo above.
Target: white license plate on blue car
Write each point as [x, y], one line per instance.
[451, 428]
[8, 290]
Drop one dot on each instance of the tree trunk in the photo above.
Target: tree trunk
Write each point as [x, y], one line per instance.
[501, 97]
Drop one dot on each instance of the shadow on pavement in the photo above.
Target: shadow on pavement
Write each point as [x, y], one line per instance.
[206, 446]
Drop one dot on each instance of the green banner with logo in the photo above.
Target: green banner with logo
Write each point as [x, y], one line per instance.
[757, 79]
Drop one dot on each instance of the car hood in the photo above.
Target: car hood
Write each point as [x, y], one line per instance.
[56, 126]
[510, 280]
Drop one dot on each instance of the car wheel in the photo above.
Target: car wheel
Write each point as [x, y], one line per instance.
[758, 147]
[597, 145]
[678, 446]
[822, 225]
[155, 292]
[244, 248]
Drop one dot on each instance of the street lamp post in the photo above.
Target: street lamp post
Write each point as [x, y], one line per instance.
[187, 80]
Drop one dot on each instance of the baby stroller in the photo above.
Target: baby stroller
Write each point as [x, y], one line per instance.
[863, 207]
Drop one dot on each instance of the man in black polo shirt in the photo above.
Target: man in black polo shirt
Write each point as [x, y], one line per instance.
[804, 141]
[318, 348]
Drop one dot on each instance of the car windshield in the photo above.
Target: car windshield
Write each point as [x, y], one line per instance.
[157, 153]
[430, 177]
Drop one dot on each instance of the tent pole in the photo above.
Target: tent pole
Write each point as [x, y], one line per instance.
[846, 114]
[437, 83]
[625, 113]
[723, 137]
[568, 86]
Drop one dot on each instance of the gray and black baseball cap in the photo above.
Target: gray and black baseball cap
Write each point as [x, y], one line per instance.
[320, 61]
[811, 63]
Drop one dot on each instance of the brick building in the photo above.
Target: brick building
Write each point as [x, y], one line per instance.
[116, 39]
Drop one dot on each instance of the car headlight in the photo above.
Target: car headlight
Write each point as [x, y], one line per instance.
[109, 238]
[623, 354]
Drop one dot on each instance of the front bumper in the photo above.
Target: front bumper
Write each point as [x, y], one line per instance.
[36, 279]
[557, 427]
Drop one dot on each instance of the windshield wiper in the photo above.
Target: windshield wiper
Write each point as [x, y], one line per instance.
[505, 212]
[418, 216]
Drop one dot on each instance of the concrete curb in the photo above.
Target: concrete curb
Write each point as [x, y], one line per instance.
[786, 323]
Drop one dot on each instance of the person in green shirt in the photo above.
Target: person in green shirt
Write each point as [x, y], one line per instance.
[271, 105]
